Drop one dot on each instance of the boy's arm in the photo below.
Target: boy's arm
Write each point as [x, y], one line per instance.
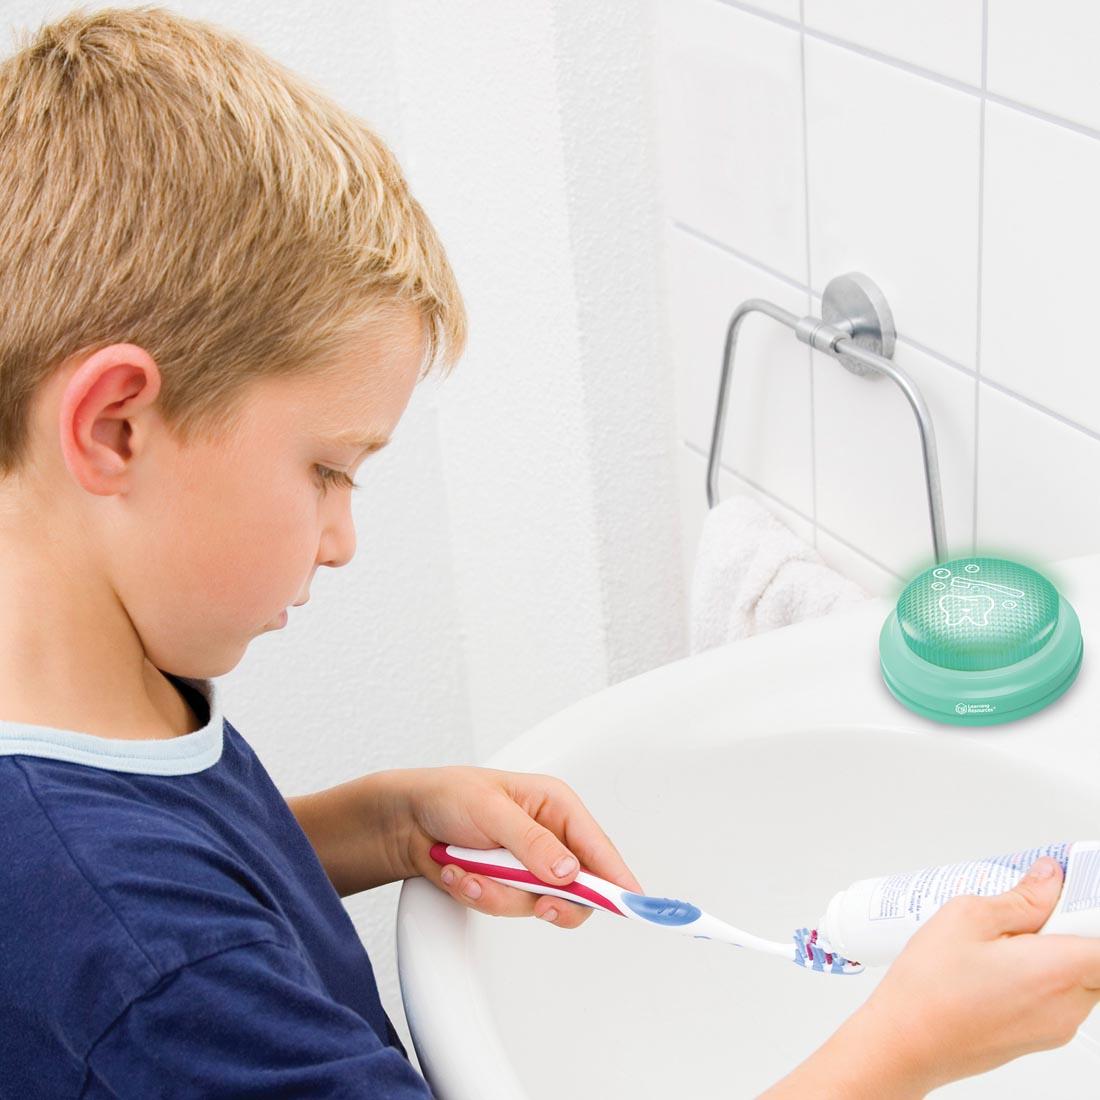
[356, 829]
[861, 1060]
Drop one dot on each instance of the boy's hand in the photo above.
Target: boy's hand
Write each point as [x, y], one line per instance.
[538, 818]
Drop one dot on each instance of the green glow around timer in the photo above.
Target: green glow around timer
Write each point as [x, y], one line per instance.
[975, 641]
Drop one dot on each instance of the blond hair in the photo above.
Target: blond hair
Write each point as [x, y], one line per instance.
[167, 184]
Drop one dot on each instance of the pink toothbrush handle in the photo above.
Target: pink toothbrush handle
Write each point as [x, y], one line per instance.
[501, 865]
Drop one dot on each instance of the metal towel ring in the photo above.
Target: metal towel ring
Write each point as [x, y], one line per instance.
[857, 328]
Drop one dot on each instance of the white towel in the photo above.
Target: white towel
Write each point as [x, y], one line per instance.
[752, 573]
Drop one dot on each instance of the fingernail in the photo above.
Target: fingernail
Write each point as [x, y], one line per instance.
[565, 866]
[1044, 868]
[551, 914]
[449, 876]
[472, 888]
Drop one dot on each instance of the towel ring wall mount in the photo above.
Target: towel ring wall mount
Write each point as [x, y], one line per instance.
[856, 327]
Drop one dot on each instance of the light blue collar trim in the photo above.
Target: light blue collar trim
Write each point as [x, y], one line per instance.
[190, 752]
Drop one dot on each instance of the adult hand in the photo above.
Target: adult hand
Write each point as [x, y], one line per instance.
[974, 988]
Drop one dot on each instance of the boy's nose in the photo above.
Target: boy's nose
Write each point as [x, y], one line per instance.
[338, 544]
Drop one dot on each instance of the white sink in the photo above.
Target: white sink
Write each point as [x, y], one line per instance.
[785, 769]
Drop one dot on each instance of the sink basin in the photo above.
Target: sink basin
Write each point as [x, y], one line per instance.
[754, 780]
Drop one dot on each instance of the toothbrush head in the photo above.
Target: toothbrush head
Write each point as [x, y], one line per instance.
[810, 955]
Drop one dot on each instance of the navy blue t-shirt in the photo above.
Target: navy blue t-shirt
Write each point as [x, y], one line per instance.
[166, 928]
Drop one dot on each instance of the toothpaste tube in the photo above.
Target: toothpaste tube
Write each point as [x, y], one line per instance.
[873, 919]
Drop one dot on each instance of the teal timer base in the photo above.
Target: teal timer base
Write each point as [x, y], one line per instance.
[978, 641]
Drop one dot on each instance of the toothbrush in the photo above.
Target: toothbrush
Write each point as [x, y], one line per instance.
[678, 916]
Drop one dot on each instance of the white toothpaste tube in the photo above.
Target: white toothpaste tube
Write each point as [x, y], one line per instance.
[873, 919]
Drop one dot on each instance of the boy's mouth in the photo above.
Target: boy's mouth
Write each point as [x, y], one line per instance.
[279, 621]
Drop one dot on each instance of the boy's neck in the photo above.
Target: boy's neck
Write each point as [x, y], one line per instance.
[70, 658]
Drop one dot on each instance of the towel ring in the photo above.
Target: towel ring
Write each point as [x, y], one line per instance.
[857, 328]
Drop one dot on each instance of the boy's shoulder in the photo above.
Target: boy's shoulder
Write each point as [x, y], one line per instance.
[106, 888]
[152, 850]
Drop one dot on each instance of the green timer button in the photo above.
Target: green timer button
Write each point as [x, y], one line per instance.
[979, 640]
[976, 613]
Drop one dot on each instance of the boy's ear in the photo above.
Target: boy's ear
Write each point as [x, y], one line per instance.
[97, 404]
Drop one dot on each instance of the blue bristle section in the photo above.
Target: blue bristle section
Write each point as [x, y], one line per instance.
[810, 955]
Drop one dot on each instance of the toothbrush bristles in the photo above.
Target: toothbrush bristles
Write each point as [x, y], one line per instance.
[810, 955]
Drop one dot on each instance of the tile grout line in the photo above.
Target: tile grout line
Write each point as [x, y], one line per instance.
[855, 47]
[809, 270]
[1042, 116]
[981, 93]
[916, 345]
[685, 227]
[989, 383]
[981, 267]
[794, 284]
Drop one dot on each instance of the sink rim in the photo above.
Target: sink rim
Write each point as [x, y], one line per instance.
[456, 1020]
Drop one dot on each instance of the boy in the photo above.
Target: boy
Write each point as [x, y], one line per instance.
[219, 295]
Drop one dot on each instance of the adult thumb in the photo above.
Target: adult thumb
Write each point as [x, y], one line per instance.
[1026, 907]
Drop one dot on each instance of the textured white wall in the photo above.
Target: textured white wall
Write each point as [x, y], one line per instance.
[519, 540]
[528, 138]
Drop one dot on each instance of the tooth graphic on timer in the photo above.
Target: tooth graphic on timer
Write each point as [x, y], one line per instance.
[979, 640]
[973, 609]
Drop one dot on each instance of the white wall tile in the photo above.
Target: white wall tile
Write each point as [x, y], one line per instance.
[1041, 273]
[893, 176]
[730, 129]
[869, 575]
[870, 471]
[1038, 481]
[767, 436]
[942, 35]
[1044, 55]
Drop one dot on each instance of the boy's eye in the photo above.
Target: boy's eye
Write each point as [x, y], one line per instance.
[339, 478]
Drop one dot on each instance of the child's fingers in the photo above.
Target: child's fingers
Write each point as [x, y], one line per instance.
[566, 817]
[498, 900]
